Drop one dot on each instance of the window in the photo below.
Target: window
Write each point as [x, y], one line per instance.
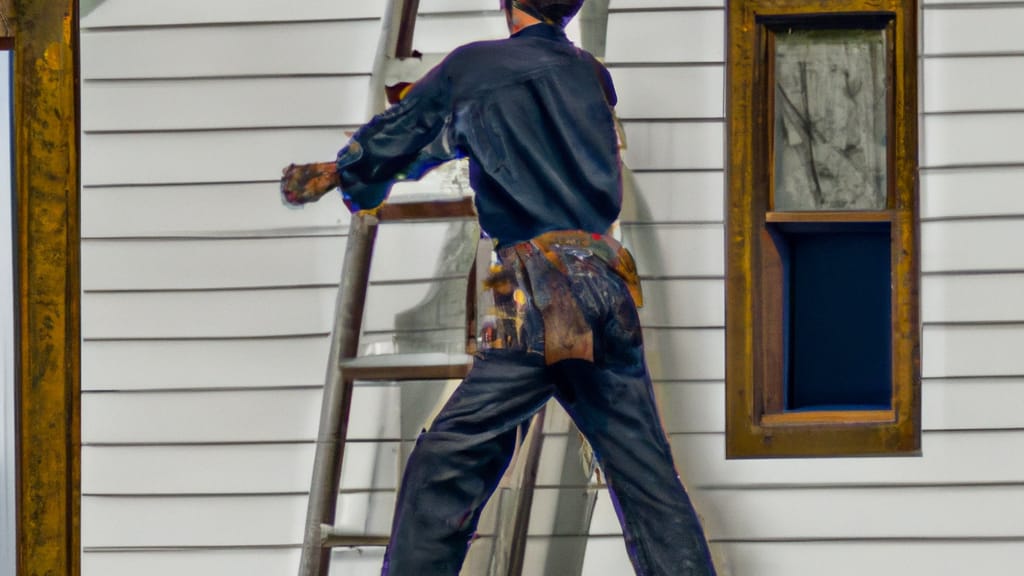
[822, 326]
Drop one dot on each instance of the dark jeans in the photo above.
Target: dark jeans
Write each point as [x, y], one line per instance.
[458, 463]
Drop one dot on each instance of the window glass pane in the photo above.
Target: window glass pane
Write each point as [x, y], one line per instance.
[840, 325]
[830, 120]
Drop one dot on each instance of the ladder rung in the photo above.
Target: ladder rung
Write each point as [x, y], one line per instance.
[420, 366]
[427, 209]
[331, 537]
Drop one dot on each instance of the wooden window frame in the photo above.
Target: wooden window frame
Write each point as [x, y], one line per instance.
[44, 36]
[756, 423]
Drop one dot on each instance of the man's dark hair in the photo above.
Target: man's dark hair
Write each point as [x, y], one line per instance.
[558, 12]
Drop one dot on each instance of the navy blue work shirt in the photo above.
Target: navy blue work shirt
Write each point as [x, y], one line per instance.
[533, 113]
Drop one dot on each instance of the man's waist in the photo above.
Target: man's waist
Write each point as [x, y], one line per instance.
[556, 244]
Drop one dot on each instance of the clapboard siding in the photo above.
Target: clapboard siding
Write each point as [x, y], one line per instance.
[674, 145]
[278, 415]
[668, 92]
[972, 245]
[231, 50]
[935, 558]
[211, 263]
[676, 197]
[242, 562]
[201, 210]
[976, 30]
[217, 103]
[972, 139]
[698, 36]
[677, 250]
[137, 13]
[972, 192]
[972, 84]
[207, 157]
[443, 33]
[976, 298]
[964, 351]
[615, 5]
[131, 365]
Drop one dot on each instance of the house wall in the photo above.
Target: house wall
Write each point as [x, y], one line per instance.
[207, 305]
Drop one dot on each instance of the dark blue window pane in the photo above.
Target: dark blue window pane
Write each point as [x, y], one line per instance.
[839, 336]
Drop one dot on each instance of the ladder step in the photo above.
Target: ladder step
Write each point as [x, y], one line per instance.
[331, 537]
[419, 366]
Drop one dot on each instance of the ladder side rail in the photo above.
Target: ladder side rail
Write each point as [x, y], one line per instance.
[524, 504]
[337, 395]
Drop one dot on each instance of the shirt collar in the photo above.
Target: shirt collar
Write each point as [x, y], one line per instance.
[542, 30]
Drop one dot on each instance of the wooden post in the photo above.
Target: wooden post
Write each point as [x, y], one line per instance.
[46, 176]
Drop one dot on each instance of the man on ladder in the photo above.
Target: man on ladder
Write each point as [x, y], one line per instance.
[533, 114]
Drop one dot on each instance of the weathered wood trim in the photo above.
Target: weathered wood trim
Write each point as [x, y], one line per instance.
[755, 426]
[46, 175]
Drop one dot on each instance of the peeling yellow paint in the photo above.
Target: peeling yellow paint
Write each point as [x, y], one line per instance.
[52, 56]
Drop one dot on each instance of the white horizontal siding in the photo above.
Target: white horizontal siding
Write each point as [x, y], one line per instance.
[188, 158]
[443, 33]
[972, 192]
[277, 415]
[639, 37]
[134, 13]
[251, 521]
[240, 562]
[129, 365]
[675, 96]
[950, 458]
[225, 468]
[201, 210]
[972, 350]
[685, 354]
[977, 30]
[936, 558]
[851, 513]
[972, 83]
[218, 103]
[342, 47]
[675, 145]
[211, 263]
[972, 245]
[676, 197]
[972, 139]
[641, 4]
[975, 298]
[677, 249]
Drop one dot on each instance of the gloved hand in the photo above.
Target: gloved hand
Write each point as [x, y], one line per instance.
[304, 183]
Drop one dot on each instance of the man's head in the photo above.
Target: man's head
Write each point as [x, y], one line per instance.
[557, 12]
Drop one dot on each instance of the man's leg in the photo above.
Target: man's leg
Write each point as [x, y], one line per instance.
[457, 464]
[615, 410]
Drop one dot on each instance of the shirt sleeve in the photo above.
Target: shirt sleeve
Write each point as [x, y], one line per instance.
[402, 143]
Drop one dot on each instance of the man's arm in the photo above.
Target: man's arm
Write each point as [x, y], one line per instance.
[402, 143]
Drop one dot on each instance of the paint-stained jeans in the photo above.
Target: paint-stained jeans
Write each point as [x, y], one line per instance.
[550, 294]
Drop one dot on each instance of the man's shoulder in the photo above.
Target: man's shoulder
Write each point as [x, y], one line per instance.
[478, 49]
